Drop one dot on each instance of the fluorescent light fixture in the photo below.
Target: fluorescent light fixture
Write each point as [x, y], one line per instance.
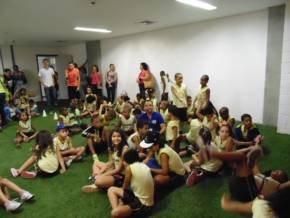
[92, 29]
[198, 4]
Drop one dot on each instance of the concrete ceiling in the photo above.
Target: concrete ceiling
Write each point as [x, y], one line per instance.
[52, 21]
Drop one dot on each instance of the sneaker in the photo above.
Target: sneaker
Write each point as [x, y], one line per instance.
[28, 175]
[68, 162]
[95, 157]
[12, 206]
[253, 155]
[90, 188]
[26, 196]
[14, 172]
[194, 178]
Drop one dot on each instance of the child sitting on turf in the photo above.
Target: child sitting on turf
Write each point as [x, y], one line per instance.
[69, 120]
[95, 143]
[46, 158]
[172, 130]
[152, 97]
[128, 121]
[135, 139]
[120, 104]
[23, 99]
[12, 205]
[90, 104]
[247, 134]
[26, 131]
[171, 165]
[136, 197]
[225, 118]
[163, 110]
[33, 108]
[190, 107]
[139, 100]
[110, 121]
[12, 112]
[104, 177]
[224, 141]
[63, 143]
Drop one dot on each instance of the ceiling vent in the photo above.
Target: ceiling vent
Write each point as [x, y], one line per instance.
[147, 22]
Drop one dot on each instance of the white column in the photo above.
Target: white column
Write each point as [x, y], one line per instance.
[283, 125]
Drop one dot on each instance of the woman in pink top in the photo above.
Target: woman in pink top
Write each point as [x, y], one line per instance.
[73, 81]
[96, 81]
[142, 76]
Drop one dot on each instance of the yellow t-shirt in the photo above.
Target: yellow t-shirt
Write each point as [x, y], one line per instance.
[221, 145]
[180, 100]
[195, 126]
[210, 164]
[201, 97]
[48, 162]
[169, 130]
[262, 209]
[2, 86]
[175, 162]
[142, 183]
[267, 185]
[62, 145]
[164, 114]
[26, 126]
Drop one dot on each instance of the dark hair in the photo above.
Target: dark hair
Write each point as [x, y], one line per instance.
[97, 67]
[137, 111]
[131, 156]
[141, 123]
[121, 145]
[229, 129]
[75, 65]
[26, 113]
[44, 141]
[279, 202]
[188, 97]
[7, 70]
[177, 74]
[144, 66]
[44, 60]
[224, 110]
[71, 62]
[206, 77]
[162, 73]
[173, 110]
[205, 134]
[244, 116]
[62, 109]
[15, 66]
[30, 101]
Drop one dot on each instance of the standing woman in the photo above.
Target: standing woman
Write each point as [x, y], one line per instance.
[96, 81]
[20, 80]
[143, 75]
[111, 83]
[73, 81]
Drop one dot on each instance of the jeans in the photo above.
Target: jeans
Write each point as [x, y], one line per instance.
[2, 106]
[111, 92]
[50, 94]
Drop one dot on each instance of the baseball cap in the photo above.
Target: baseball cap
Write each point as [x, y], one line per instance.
[150, 139]
[60, 127]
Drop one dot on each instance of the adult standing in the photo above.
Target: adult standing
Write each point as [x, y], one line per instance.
[73, 81]
[9, 80]
[145, 79]
[96, 81]
[2, 102]
[111, 83]
[19, 79]
[46, 77]
[84, 79]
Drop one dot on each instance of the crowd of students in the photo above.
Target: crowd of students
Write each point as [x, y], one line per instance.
[145, 140]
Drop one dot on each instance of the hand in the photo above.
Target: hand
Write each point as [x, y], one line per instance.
[25, 139]
[62, 171]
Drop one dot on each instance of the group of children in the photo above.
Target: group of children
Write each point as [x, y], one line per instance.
[145, 141]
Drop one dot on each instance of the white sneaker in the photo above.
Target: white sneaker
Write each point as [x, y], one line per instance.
[68, 163]
[26, 196]
[14, 172]
[12, 206]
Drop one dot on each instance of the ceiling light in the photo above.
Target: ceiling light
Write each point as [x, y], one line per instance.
[92, 29]
[198, 4]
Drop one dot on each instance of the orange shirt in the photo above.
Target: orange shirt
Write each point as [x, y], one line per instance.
[73, 77]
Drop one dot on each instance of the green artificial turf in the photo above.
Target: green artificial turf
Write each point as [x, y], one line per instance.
[61, 196]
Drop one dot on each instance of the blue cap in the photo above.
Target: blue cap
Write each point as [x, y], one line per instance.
[60, 127]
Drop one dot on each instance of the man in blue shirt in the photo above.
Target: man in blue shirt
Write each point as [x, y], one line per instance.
[155, 119]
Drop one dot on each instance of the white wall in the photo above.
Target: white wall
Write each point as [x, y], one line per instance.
[78, 51]
[284, 100]
[231, 50]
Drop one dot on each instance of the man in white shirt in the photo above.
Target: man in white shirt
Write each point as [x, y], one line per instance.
[46, 77]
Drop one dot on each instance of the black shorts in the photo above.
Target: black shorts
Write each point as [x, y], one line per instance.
[98, 146]
[119, 180]
[139, 210]
[243, 189]
[73, 92]
[28, 134]
[182, 114]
